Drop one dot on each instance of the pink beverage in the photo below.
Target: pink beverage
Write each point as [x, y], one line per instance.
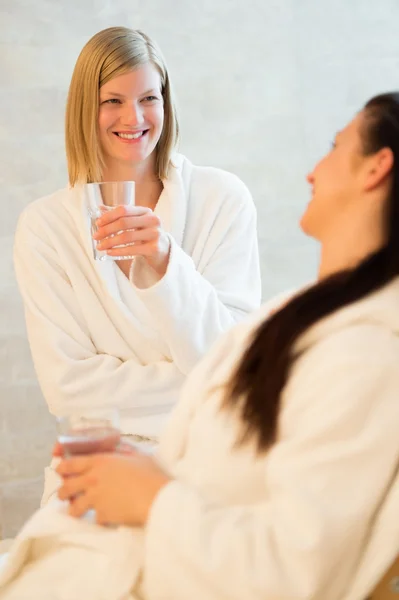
[90, 440]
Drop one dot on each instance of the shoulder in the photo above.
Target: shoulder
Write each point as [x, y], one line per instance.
[356, 353]
[52, 203]
[344, 387]
[216, 183]
[40, 214]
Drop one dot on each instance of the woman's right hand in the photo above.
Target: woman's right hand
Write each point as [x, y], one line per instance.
[121, 489]
[137, 231]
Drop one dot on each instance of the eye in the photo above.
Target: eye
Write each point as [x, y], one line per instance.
[150, 99]
[111, 101]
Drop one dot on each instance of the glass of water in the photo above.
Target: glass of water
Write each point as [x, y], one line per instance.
[104, 196]
[89, 434]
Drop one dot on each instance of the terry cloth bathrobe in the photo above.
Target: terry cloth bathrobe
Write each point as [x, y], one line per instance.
[100, 340]
[315, 517]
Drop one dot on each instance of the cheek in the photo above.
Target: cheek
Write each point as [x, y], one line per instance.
[156, 117]
[105, 119]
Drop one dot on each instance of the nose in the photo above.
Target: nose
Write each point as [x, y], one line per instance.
[310, 178]
[132, 114]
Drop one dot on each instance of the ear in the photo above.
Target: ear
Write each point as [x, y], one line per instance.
[379, 167]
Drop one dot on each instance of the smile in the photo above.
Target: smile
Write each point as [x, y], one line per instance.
[131, 136]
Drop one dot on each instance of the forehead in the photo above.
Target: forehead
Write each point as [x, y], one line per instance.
[352, 129]
[138, 80]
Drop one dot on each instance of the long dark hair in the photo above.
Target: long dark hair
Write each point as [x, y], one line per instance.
[265, 366]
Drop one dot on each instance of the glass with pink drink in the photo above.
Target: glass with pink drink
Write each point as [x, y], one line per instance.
[89, 434]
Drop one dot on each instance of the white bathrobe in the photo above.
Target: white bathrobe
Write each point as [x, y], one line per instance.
[97, 339]
[316, 517]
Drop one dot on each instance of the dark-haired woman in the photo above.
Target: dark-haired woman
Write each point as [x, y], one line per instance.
[276, 478]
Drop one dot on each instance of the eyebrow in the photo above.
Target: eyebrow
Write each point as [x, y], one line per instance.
[151, 91]
[122, 95]
[113, 94]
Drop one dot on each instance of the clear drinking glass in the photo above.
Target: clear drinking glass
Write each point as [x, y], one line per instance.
[104, 196]
[89, 434]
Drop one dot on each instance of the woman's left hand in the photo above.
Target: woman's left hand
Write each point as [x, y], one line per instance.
[139, 227]
[121, 489]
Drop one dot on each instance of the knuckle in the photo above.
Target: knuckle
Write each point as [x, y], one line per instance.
[91, 480]
[63, 493]
[77, 506]
[91, 495]
[125, 222]
[106, 230]
[124, 238]
[114, 213]
[100, 517]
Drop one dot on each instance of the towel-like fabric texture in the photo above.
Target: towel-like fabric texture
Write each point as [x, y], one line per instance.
[100, 340]
[57, 557]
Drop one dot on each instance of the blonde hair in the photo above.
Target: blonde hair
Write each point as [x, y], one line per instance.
[108, 54]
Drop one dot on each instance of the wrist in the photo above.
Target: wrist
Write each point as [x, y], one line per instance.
[158, 485]
[160, 261]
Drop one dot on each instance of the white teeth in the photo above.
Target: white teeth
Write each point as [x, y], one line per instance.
[130, 136]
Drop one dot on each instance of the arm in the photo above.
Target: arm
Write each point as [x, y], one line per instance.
[71, 373]
[193, 304]
[324, 482]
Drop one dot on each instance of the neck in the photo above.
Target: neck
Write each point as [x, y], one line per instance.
[360, 231]
[349, 249]
[141, 172]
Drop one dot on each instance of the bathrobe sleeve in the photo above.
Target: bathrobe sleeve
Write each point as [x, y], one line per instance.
[324, 482]
[71, 373]
[193, 304]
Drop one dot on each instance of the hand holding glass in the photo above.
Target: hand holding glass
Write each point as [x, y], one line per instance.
[102, 197]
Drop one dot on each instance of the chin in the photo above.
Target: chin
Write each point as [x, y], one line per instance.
[309, 220]
[138, 155]
[303, 223]
[306, 226]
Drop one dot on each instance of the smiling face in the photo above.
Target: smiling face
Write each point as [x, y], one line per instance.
[131, 117]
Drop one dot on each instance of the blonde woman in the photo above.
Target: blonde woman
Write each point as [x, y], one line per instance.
[126, 334]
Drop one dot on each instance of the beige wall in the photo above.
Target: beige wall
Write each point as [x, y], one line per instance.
[263, 85]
